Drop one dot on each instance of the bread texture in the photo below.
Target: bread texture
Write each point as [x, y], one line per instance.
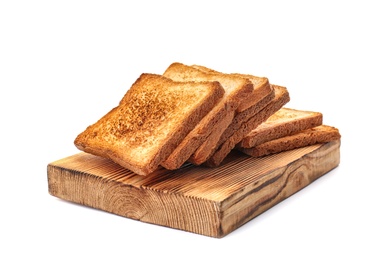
[204, 152]
[286, 121]
[232, 137]
[236, 89]
[195, 114]
[315, 135]
[261, 87]
[151, 120]
[262, 94]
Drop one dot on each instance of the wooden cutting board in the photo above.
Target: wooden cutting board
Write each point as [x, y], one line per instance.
[208, 201]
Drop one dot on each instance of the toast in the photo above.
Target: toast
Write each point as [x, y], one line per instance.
[262, 94]
[284, 122]
[204, 152]
[261, 87]
[236, 89]
[152, 118]
[231, 137]
[318, 134]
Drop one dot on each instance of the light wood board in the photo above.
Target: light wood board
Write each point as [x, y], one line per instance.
[207, 201]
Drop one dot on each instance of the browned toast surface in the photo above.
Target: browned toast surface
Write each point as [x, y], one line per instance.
[262, 94]
[281, 98]
[285, 121]
[204, 152]
[198, 115]
[261, 87]
[236, 89]
[152, 118]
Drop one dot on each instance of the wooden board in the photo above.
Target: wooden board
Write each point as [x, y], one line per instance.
[208, 201]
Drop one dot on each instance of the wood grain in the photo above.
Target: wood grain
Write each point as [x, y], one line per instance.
[208, 201]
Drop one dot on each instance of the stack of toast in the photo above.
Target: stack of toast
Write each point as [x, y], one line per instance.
[194, 114]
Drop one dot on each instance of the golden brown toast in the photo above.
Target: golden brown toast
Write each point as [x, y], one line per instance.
[150, 121]
[231, 137]
[262, 94]
[318, 134]
[284, 122]
[204, 152]
[261, 87]
[236, 89]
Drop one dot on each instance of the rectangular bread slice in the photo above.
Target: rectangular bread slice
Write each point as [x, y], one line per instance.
[204, 152]
[284, 122]
[281, 98]
[236, 89]
[262, 94]
[318, 134]
[150, 121]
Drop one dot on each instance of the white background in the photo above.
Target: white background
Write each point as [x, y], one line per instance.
[63, 64]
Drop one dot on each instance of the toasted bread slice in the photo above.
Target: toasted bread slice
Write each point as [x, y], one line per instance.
[261, 87]
[284, 122]
[204, 152]
[318, 134]
[152, 118]
[232, 138]
[236, 89]
[262, 94]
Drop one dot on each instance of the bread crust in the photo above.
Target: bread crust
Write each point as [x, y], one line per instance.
[315, 135]
[236, 89]
[281, 98]
[284, 122]
[205, 151]
[261, 87]
[262, 94]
